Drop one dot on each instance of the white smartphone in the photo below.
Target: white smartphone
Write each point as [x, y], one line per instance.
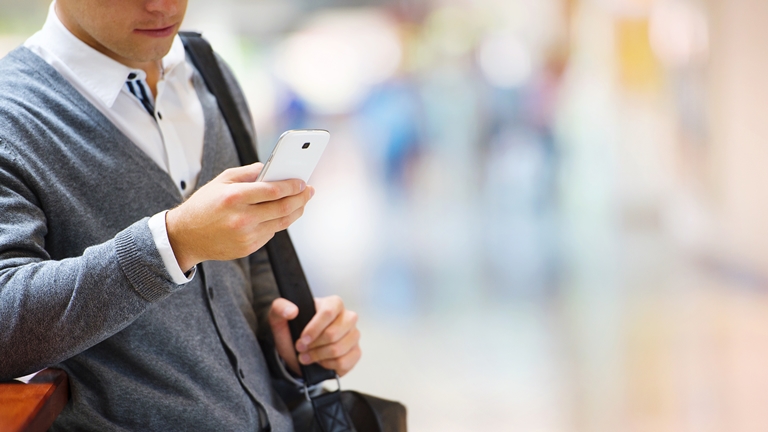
[295, 156]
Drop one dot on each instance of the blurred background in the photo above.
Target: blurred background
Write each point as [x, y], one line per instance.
[551, 215]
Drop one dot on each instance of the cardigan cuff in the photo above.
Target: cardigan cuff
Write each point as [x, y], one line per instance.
[141, 262]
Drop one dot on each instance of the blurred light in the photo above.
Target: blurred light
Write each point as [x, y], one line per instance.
[678, 33]
[639, 68]
[262, 96]
[504, 60]
[450, 31]
[339, 55]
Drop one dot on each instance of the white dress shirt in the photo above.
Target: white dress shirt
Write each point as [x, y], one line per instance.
[172, 135]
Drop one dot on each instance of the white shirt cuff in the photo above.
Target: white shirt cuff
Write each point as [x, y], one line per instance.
[160, 235]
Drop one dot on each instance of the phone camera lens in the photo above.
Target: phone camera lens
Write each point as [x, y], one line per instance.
[305, 146]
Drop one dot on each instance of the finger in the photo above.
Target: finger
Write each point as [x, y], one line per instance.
[258, 224]
[246, 173]
[343, 364]
[259, 192]
[283, 207]
[255, 193]
[336, 331]
[332, 351]
[280, 313]
[270, 227]
[328, 309]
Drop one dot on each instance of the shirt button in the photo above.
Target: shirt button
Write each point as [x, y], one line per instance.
[159, 115]
[131, 76]
[210, 293]
[183, 185]
[242, 374]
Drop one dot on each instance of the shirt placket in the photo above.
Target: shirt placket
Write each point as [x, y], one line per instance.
[177, 161]
[176, 164]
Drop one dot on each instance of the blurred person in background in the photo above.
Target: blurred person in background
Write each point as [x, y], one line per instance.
[104, 126]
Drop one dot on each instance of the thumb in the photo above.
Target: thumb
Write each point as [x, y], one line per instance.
[280, 313]
[243, 174]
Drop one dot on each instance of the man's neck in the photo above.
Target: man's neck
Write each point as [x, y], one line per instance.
[154, 73]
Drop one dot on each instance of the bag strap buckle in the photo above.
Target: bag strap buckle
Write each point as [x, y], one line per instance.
[307, 391]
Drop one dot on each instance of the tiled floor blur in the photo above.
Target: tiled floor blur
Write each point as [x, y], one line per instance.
[679, 348]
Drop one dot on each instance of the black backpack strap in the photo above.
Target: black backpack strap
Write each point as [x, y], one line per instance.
[282, 256]
[201, 54]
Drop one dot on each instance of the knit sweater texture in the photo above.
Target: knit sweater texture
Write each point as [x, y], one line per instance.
[83, 287]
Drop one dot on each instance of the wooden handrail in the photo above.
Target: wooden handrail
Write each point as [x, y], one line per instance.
[34, 406]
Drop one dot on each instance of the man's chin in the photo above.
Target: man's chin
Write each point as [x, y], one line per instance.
[150, 51]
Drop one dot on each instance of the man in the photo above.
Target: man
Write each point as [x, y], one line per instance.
[153, 313]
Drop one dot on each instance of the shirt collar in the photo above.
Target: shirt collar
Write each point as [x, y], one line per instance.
[103, 76]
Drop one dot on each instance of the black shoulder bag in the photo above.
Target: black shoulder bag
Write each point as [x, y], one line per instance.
[337, 411]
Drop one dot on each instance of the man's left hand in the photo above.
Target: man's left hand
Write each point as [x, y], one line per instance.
[331, 338]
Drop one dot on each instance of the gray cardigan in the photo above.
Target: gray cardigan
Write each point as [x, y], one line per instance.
[83, 287]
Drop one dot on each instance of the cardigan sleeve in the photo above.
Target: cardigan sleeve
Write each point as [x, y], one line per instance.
[51, 310]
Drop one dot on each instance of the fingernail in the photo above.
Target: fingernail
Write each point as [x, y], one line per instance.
[300, 346]
[304, 359]
[303, 186]
[306, 340]
[288, 311]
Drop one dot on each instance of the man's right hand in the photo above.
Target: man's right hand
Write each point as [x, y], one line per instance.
[233, 216]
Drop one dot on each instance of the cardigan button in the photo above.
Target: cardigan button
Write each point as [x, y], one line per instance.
[242, 374]
[210, 292]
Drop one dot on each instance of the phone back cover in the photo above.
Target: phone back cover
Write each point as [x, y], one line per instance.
[293, 159]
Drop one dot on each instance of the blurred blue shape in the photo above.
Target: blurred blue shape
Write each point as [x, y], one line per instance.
[391, 120]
